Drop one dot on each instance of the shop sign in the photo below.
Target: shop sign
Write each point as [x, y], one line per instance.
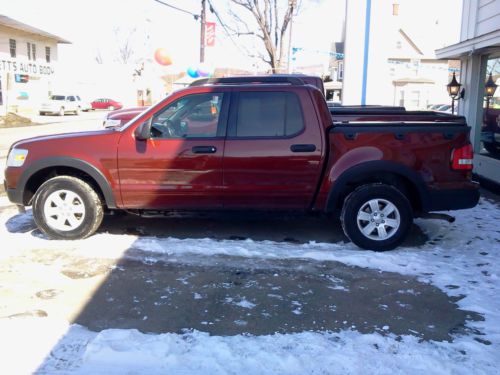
[19, 67]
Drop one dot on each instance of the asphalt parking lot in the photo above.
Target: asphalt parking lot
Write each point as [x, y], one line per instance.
[221, 294]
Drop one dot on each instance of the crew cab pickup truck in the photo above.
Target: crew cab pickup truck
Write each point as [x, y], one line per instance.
[251, 143]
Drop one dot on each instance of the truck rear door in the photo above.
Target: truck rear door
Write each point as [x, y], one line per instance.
[273, 149]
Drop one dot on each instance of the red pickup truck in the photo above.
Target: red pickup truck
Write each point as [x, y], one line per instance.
[251, 143]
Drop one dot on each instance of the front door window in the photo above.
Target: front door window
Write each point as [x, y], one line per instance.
[193, 116]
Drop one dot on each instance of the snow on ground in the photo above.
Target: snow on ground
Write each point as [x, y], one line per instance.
[462, 259]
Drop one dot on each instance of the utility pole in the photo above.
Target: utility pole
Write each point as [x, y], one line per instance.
[293, 4]
[202, 31]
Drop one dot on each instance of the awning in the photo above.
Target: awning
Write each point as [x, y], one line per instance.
[480, 44]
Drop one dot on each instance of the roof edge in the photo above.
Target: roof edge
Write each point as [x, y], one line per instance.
[20, 26]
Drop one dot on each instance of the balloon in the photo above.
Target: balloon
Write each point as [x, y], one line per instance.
[162, 57]
[204, 70]
[192, 72]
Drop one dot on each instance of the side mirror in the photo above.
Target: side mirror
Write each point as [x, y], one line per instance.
[143, 131]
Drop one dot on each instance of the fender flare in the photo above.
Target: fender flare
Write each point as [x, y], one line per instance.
[79, 164]
[375, 167]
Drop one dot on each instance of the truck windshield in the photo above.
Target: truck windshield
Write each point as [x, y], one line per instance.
[57, 97]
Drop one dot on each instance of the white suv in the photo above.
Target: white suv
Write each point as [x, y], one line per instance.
[62, 104]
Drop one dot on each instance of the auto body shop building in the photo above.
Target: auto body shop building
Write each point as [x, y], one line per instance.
[479, 52]
[28, 58]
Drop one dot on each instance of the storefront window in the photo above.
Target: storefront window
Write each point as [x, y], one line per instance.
[490, 128]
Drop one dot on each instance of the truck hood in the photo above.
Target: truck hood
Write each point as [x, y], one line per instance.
[63, 137]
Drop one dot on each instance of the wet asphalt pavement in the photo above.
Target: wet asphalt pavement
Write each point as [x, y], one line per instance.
[223, 295]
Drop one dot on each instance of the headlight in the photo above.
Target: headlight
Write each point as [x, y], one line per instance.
[16, 158]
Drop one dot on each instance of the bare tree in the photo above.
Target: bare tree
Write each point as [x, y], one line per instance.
[272, 19]
[124, 45]
[98, 56]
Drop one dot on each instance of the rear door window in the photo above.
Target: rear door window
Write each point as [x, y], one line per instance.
[267, 114]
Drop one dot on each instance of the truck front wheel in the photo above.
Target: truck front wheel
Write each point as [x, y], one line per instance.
[67, 208]
[376, 217]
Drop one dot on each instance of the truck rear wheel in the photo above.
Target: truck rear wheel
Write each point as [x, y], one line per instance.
[376, 217]
[67, 208]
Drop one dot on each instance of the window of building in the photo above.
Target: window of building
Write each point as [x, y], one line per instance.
[28, 50]
[1, 96]
[415, 99]
[490, 127]
[341, 70]
[47, 54]
[33, 51]
[268, 114]
[395, 9]
[12, 46]
[194, 116]
[402, 98]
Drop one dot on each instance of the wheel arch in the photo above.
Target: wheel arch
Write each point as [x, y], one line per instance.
[40, 171]
[405, 179]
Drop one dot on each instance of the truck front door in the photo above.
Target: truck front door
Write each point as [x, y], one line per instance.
[180, 166]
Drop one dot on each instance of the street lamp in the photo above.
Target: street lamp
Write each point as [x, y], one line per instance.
[489, 90]
[453, 90]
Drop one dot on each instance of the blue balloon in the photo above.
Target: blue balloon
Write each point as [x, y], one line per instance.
[192, 72]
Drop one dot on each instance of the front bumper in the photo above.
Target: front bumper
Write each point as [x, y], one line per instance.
[14, 195]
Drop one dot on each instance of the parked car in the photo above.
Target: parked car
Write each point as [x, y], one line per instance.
[490, 131]
[434, 107]
[62, 104]
[121, 116]
[445, 108]
[105, 103]
[251, 143]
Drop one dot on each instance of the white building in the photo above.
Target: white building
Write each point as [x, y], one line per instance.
[389, 52]
[28, 64]
[479, 52]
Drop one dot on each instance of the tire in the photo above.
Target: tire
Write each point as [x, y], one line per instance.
[111, 108]
[61, 111]
[78, 111]
[42, 113]
[376, 217]
[79, 219]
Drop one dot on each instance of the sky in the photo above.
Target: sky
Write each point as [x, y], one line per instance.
[97, 25]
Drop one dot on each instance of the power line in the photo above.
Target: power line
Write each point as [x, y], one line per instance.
[224, 27]
[196, 16]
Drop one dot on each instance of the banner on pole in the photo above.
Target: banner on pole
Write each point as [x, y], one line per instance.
[210, 34]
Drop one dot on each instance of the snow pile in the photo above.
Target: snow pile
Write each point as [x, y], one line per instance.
[129, 351]
[462, 259]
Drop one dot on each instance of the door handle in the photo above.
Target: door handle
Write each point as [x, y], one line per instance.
[204, 149]
[303, 148]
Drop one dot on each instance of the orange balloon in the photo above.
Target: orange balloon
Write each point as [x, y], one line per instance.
[162, 57]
